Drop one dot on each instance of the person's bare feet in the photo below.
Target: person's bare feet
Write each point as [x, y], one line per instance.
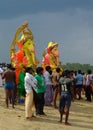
[55, 107]
[59, 121]
[28, 118]
[7, 106]
[13, 107]
[67, 123]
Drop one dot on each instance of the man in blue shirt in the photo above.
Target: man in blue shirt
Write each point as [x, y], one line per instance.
[79, 83]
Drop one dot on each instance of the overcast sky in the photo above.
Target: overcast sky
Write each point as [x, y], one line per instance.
[68, 22]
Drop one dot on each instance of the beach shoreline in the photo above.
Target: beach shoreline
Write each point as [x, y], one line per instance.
[81, 117]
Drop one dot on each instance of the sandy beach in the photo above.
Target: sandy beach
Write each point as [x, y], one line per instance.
[81, 117]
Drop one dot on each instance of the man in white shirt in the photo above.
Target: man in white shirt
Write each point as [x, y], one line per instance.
[30, 83]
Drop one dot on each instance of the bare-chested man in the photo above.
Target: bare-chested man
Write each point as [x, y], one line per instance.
[55, 82]
[9, 76]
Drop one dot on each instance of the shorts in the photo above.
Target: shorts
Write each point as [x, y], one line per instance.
[65, 100]
[9, 85]
[79, 86]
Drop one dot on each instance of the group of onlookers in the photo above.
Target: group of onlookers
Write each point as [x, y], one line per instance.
[41, 88]
[82, 84]
[72, 86]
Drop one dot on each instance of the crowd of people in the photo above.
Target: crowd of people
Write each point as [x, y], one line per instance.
[43, 87]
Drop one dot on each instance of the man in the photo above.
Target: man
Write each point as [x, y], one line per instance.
[89, 81]
[79, 84]
[39, 102]
[48, 93]
[55, 84]
[1, 72]
[9, 76]
[65, 100]
[30, 83]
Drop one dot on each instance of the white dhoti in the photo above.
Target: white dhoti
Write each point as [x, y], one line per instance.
[29, 105]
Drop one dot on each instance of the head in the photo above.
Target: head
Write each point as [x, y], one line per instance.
[53, 48]
[48, 68]
[39, 70]
[66, 73]
[9, 66]
[89, 71]
[29, 70]
[79, 71]
[57, 69]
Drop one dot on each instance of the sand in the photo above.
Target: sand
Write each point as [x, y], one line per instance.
[81, 117]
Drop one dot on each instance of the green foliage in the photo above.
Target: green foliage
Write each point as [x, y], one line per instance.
[77, 66]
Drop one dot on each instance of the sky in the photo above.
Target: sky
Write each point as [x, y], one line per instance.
[68, 22]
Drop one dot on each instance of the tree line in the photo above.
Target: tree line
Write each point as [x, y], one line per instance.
[77, 66]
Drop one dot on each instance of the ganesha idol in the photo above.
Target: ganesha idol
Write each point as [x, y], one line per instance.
[22, 50]
[51, 56]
